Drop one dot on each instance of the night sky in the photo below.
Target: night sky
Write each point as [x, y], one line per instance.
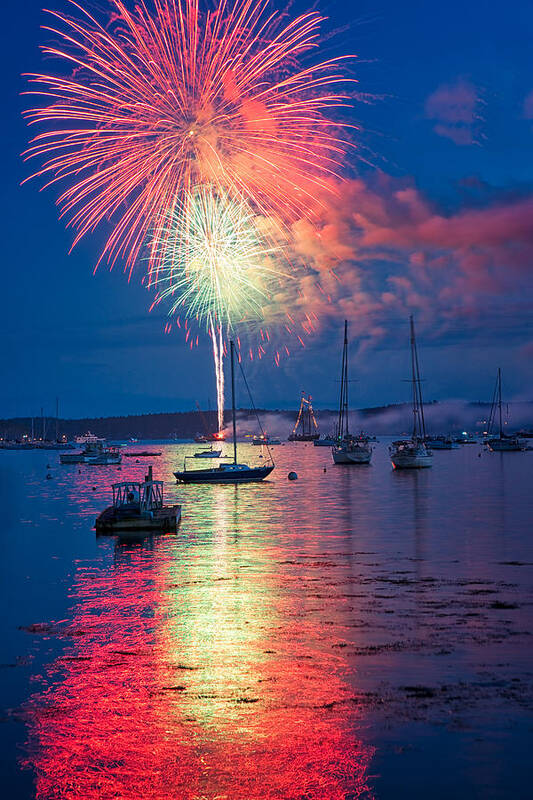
[437, 217]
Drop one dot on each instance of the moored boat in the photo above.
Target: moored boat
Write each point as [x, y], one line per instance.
[413, 453]
[142, 453]
[465, 438]
[306, 427]
[93, 453]
[208, 453]
[410, 454]
[348, 449]
[441, 443]
[264, 438]
[88, 438]
[326, 441]
[107, 455]
[138, 507]
[227, 472]
[503, 443]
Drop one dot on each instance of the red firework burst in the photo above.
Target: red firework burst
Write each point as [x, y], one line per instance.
[162, 97]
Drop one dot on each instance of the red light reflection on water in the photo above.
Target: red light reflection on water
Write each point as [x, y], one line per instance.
[186, 676]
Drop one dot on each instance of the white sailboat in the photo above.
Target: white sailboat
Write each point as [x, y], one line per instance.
[349, 449]
[413, 453]
[500, 443]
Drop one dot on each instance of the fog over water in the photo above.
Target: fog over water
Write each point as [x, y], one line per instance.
[441, 418]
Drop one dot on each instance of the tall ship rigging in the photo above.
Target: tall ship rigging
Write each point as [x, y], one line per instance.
[306, 427]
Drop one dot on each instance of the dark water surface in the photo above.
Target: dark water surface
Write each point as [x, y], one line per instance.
[359, 633]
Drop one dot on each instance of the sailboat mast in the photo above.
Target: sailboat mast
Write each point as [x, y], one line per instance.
[340, 424]
[413, 378]
[500, 400]
[346, 375]
[57, 418]
[418, 403]
[233, 404]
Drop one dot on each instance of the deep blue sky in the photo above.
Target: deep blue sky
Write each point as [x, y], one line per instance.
[90, 340]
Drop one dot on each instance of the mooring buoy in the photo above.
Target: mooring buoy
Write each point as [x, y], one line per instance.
[292, 476]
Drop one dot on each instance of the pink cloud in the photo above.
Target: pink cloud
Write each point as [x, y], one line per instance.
[402, 253]
[455, 110]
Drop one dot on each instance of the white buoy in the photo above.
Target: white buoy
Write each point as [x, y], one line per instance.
[292, 476]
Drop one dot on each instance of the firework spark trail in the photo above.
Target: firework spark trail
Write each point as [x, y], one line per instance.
[218, 354]
[160, 100]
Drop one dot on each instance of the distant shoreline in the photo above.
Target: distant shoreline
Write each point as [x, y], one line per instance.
[445, 415]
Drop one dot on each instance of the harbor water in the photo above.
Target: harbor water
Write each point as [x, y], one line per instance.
[356, 633]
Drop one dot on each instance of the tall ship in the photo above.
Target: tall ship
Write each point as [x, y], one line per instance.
[348, 449]
[306, 427]
[500, 443]
[413, 453]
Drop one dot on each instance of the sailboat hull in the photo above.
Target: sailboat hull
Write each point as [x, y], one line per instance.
[411, 462]
[224, 475]
[504, 445]
[351, 456]
[410, 455]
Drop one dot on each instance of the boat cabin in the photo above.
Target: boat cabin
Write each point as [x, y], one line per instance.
[138, 508]
[140, 497]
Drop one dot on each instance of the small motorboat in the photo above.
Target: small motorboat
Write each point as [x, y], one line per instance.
[93, 453]
[106, 455]
[88, 438]
[465, 438]
[138, 508]
[326, 441]
[208, 453]
[441, 443]
[142, 453]
[264, 438]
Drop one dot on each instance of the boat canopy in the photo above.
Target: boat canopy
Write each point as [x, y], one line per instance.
[147, 495]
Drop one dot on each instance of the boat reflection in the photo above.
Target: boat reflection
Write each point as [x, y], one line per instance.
[192, 670]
